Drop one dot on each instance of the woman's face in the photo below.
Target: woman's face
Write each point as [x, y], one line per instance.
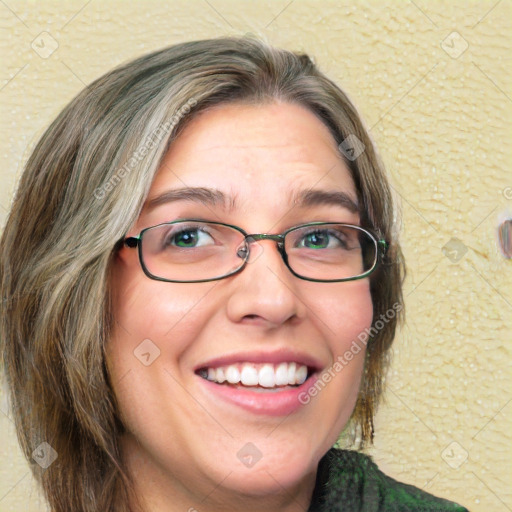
[188, 437]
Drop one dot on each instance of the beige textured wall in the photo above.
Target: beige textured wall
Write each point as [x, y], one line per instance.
[433, 81]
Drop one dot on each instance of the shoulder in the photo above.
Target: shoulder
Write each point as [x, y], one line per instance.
[350, 480]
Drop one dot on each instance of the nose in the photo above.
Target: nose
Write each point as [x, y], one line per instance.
[265, 292]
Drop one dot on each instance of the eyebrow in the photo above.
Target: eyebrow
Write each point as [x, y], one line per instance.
[214, 197]
[314, 197]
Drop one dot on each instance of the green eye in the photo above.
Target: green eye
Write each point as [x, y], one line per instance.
[322, 239]
[188, 238]
[316, 240]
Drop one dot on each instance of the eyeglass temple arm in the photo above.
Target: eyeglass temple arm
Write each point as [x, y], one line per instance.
[131, 241]
[384, 246]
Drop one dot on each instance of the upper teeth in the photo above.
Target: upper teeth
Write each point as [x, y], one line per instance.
[266, 375]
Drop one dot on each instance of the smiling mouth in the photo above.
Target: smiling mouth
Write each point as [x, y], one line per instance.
[258, 377]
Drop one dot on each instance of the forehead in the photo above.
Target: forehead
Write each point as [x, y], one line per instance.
[257, 155]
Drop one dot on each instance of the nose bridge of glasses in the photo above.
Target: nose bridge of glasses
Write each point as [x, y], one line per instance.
[255, 249]
[263, 236]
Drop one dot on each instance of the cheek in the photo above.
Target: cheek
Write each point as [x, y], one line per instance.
[154, 325]
[341, 312]
[145, 308]
[345, 311]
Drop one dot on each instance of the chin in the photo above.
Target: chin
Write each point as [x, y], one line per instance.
[265, 466]
[267, 478]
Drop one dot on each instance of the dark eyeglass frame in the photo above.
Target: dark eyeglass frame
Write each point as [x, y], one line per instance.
[381, 247]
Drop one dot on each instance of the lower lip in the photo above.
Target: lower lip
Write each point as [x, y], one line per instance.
[272, 403]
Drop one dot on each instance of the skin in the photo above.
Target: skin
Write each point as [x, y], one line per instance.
[181, 444]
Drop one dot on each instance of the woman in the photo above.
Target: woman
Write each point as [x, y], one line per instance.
[201, 283]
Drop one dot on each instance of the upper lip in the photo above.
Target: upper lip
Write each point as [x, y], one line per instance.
[273, 357]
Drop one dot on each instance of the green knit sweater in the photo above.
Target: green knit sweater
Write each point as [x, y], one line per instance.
[349, 481]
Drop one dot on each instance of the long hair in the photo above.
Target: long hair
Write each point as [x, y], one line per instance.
[82, 188]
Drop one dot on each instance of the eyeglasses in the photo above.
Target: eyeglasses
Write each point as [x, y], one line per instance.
[195, 251]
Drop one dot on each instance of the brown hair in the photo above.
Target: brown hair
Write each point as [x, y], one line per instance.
[83, 187]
